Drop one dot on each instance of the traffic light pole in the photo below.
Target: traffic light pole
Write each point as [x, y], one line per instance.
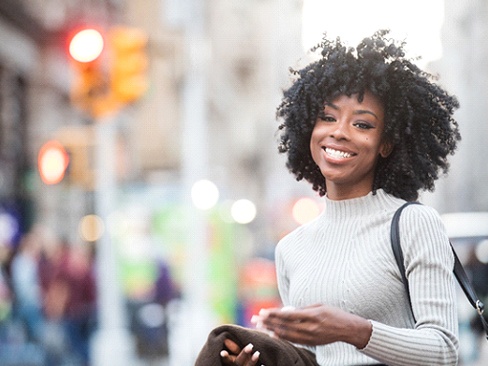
[112, 342]
[102, 95]
[197, 318]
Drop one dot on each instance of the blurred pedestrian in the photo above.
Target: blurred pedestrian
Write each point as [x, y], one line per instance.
[165, 289]
[76, 279]
[6, 296]
[151, 316]
[56, 290]
[52, 265]
[27, 287]
[368, 129]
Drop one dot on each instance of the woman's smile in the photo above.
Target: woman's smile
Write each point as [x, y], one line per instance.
[337, 154]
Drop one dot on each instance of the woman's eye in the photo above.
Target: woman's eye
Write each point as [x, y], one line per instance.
[363, 125]
[326, 117]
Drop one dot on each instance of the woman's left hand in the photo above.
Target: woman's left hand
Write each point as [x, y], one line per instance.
[235, 355]
[316, 325]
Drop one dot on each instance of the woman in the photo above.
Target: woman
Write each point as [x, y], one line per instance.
[369, 130]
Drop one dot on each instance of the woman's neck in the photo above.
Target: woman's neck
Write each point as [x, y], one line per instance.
[338, 193]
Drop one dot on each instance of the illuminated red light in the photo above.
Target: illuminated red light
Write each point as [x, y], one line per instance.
[86, 45]
[52, 162]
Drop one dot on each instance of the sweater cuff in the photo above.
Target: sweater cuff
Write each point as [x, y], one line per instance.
[380, 335]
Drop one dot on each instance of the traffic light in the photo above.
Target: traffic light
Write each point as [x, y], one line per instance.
[86, 45]
[90, 89]
[79, 141]
[110, 68]
[129, 63]
[52, 162]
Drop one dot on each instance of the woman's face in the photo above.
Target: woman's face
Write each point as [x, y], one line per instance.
[346, 143]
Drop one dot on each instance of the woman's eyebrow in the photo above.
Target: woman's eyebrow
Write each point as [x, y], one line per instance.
[333, 106]
[365, 111]
[359, 111]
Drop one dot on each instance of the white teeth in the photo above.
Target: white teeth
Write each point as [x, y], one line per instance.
[337, 153]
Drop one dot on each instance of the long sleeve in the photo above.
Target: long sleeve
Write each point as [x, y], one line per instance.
[344, 259]
[429, 264]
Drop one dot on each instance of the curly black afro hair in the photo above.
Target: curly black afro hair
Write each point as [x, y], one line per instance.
[418, 113]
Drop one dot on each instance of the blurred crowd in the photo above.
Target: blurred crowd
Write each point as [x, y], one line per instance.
[47, 301]
[48, 307]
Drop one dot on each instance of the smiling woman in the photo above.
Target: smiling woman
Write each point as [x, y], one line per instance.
[368, 129]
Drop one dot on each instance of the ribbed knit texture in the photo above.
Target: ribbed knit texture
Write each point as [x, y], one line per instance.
[344, 259]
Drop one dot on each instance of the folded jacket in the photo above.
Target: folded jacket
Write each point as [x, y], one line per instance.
[272, 351]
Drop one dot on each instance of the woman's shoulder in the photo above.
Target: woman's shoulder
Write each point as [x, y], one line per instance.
[422, 225]
[419, 212]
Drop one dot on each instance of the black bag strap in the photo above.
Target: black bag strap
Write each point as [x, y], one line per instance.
[459, 271]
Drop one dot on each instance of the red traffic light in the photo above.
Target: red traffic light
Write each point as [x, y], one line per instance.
[86, 45]
[52, 162]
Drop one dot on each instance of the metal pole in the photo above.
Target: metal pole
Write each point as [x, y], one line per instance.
[196, 317]
[112, 342]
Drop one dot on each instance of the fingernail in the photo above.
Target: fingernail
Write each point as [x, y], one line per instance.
[254, 319]
[288, 308]
[264, 312]
[248, 348]
[223, 354]
[255, 356]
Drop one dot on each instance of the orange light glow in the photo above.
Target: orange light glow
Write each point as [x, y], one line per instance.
[52, 162]
[305, 210]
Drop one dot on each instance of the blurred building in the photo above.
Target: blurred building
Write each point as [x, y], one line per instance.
[244, 50]
[35, 106]
[18, 55]
[249, 47]
[463, 70]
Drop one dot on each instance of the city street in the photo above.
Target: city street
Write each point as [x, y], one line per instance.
[167, 165]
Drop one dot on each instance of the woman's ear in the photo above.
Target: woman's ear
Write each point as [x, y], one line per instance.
[386, 149]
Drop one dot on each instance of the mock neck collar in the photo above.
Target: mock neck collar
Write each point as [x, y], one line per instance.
[361, 206]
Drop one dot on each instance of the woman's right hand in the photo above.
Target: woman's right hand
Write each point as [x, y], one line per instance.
[315, 325]
[234, 355]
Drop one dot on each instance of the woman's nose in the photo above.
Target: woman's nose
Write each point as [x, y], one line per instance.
[340, 130]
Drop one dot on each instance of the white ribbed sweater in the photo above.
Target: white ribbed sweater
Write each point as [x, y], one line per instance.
[344, 259]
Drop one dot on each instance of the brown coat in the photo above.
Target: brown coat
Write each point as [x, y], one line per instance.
[272, 351]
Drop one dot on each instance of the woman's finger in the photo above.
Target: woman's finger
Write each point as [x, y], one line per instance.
[227, 359]
[248, 356]
[232, 346]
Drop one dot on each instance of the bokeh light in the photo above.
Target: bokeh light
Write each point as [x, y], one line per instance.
[243, 211]
[91, 228]
[52, 162]
[482, 251]
[204, 194]
[8, 228]
[86, 45]
[304, 210]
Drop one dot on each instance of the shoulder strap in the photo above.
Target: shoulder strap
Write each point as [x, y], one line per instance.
[397, 249]
[459, 271]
